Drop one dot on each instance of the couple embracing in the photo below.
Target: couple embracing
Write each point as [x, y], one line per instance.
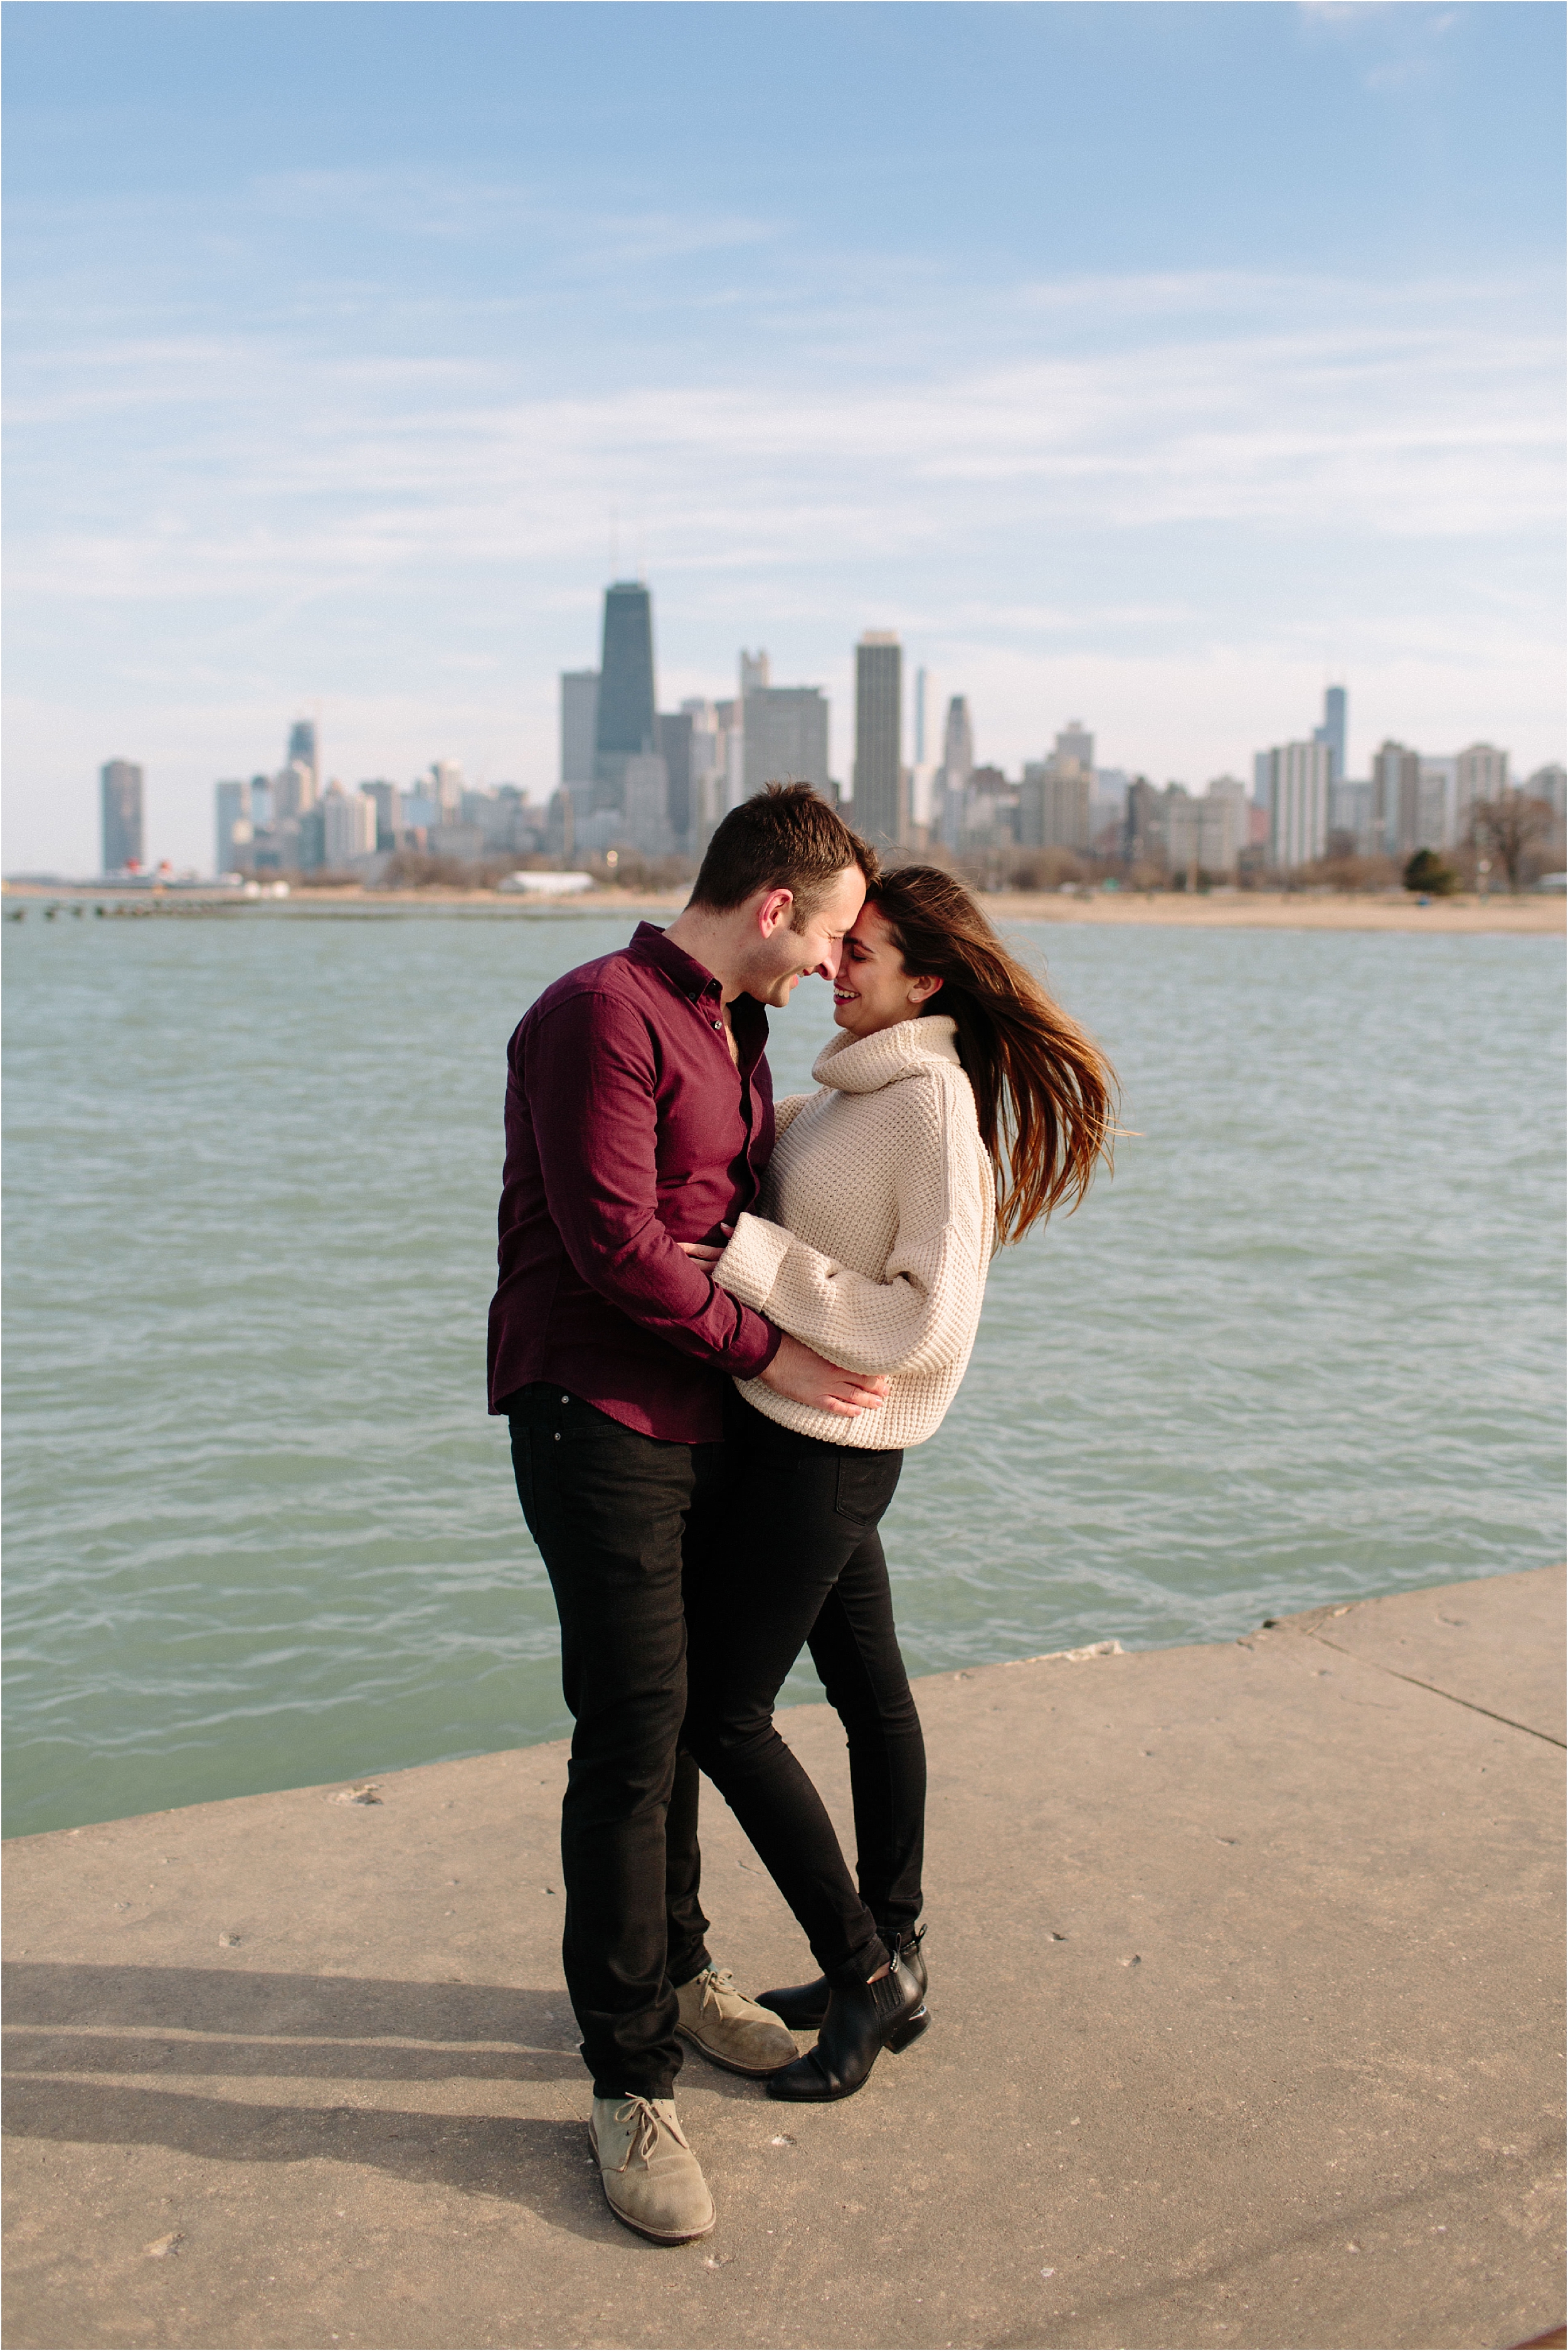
[719, 1322]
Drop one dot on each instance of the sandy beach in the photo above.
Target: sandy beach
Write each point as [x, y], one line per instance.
[1246, 910]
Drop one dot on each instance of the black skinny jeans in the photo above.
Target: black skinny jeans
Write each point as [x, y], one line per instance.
[612, 1511]
[794, 1558]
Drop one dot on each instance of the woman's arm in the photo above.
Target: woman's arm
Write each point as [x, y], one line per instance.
[921, 1315]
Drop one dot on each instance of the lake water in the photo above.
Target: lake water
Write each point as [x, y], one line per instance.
[262, 1532]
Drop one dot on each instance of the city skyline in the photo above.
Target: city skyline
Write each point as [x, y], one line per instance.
[1218, 362]
[665, 797]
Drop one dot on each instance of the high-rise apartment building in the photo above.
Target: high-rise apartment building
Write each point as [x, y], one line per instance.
[645, 823]
[579, 725]
[1075, 742]
[623, 724]
[755, 671]
[881, 810]
[1295, 779]
[709, 772]
[672, 734]
[1480, 773]
[1436, 803]
[1396, 799]
[292, 792]
[387, 800]
[1332, 732]
[235, 829]
[1203, 836]
[1055, 803]
[119, 784]
[348, 826]
[785, 733]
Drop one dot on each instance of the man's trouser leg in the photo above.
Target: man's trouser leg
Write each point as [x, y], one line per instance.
[607, 1507]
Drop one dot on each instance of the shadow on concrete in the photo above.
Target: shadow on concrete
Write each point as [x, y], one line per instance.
[248, 2001]
[311, 2028]
[320, 2060]
[546, 2166]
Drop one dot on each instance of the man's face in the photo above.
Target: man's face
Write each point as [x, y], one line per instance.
[787, 956]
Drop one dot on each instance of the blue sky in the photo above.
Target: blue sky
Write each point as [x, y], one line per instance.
[1149, 364]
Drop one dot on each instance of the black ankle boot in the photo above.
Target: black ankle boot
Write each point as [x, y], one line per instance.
[862, 2020]
[803, 2006]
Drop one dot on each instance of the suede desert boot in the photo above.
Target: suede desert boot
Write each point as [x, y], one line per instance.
[730, 2030]
[653, 2181]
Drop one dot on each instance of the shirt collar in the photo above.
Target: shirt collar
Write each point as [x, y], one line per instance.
[693, 978]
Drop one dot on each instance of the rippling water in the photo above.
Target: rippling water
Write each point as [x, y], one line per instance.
[262, 1532]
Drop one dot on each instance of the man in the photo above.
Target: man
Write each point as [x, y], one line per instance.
[640, 1116]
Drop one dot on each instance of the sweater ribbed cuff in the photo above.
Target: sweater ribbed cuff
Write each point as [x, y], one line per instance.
[749, 1265]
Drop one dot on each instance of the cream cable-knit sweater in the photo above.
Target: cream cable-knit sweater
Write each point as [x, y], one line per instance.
[878, 1213]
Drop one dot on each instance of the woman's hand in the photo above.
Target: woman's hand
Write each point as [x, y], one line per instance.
[808, 1378]
[705, 1253]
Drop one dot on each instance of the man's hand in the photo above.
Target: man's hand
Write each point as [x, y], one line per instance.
[805, 1378]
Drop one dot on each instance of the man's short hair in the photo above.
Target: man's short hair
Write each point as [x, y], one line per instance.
[786, 837]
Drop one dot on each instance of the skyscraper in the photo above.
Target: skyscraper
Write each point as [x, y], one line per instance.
[235, 831]
[880, 794]
[121, 782]
[1332, 731]
[1480, 773]
[579, 725]
[1296, 777]
[957, 767]
[1396, 799]
[623, 728]
[755, 671]
[785, 730]
[302, 746]
[1075, 742]
[672, 732]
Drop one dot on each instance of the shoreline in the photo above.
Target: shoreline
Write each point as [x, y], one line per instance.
[1531, 914]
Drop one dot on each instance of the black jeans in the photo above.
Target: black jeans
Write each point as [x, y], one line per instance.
[610, 1511]
[794, 1557]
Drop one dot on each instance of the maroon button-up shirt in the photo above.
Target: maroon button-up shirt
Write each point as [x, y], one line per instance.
[629, 1129]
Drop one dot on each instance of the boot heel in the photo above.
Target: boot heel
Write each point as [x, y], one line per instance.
[910, 2030]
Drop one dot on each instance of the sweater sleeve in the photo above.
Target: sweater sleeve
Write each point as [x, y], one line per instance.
[921, 1316]
[787, 1108]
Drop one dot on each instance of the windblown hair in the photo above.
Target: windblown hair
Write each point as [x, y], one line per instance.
[1045, 1093]
[786, 837]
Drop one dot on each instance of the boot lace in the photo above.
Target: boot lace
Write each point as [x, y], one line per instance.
[646, 2124]
[714, 1980]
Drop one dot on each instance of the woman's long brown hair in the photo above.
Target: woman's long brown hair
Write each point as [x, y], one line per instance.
[1045, 1093]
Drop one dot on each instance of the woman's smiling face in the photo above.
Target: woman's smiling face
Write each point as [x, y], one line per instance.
[873, 989]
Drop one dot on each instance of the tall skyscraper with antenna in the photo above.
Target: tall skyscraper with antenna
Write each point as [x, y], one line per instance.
[624, 726]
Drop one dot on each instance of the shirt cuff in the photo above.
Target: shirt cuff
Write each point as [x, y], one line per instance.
[749, 1265]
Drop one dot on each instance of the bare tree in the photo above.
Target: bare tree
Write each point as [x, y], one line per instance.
[1511, 825]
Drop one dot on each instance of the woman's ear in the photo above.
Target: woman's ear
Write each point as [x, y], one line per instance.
[923, 990]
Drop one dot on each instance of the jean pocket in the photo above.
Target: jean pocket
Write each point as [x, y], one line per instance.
[865, 1484]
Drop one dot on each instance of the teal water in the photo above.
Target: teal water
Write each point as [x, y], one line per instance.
[1305, 1346]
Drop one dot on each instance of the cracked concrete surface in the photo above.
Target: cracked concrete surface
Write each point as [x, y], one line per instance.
[1246, 1973]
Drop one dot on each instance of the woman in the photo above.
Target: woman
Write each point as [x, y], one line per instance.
[957, 1106]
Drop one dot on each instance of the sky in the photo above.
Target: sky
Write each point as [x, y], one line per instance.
[1152, 365]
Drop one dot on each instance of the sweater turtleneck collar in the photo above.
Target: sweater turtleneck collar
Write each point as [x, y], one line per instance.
[861, 1065]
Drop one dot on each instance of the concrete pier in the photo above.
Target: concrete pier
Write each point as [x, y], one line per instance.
[1246, 1973]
